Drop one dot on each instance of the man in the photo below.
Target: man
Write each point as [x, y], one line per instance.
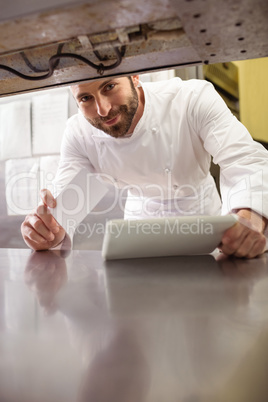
[156, 140]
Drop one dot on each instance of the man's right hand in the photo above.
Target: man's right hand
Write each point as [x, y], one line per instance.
[40, 230]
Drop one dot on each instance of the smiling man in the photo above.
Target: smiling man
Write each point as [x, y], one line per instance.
[112, 107]
[156, 140]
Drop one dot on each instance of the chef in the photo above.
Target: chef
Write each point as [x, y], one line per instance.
[156, 141]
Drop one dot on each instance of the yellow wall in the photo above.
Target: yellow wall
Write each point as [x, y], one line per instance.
[253, 93]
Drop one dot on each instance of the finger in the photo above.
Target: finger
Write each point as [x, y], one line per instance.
[253, 246]
[254, 243]
[48, 198]
[47, 219]
[40, 228]
[233, 238]
[30, 235]
[33, 239]
[247, 246]
[37, 242]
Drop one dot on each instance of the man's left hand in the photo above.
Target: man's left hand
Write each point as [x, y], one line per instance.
[245, 238]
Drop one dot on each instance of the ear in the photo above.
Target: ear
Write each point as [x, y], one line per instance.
[136, 80]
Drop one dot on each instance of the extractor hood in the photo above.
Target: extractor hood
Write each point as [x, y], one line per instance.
[57, 42]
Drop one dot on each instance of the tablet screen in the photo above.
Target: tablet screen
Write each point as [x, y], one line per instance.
[168, 236]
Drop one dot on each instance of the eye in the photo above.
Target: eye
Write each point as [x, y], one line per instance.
[86, 98]
[109, 87]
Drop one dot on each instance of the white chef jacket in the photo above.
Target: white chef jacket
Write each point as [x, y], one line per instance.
[165, 163]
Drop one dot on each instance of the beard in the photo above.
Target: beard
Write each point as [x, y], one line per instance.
[127, 113]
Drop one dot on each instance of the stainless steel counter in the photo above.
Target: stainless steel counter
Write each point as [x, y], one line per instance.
[73, 328]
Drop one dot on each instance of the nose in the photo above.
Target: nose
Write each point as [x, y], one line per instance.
[103, 106]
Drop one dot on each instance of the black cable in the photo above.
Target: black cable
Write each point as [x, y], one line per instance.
[54, 61]
[105, 58]
[35, 69]
[100, 58]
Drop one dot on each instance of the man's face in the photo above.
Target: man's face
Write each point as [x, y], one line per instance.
[109, 105]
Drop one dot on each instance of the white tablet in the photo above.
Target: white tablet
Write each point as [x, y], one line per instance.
[179, 235]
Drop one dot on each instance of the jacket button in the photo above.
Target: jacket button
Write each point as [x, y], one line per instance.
[167, 170]
[153, 130]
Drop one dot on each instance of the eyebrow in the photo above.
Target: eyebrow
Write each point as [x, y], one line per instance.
[82, 94]
[105, 83]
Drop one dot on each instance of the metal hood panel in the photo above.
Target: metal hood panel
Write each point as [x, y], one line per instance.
[64, 42]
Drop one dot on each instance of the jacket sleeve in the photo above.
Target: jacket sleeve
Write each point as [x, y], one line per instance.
[243, 162]
[73, 156]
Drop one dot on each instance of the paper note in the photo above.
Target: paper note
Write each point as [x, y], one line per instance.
[15, 130]
[22, 185]
[49, 116]
[77, 200]
[48, 169]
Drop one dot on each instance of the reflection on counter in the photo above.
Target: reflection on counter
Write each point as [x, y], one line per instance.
[167, 282]
[118, 372]
[45, 274]
[75, 328]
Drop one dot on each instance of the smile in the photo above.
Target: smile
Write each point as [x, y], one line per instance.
[112, 121]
